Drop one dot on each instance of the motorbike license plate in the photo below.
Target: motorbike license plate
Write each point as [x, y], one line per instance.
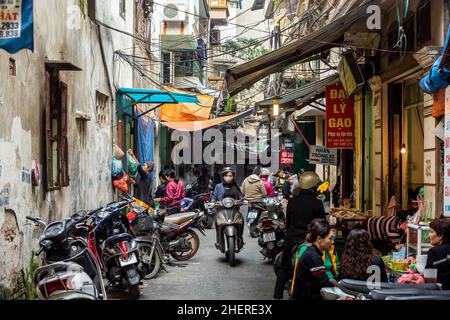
[252, 215]
[131, 260]
[269, 237]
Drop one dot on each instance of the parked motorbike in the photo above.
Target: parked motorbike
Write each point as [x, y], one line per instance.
[361, 290]
[116, 251]
[176, 233]
[271, 229]
[143, 227]
[71, 271]
[253, 215]
[229, 227]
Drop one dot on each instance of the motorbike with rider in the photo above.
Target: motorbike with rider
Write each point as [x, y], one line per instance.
[227, 200]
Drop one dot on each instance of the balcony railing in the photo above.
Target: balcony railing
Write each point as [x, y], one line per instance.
[220, 56]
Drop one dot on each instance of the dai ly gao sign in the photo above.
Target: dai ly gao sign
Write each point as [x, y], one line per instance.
[340, 118]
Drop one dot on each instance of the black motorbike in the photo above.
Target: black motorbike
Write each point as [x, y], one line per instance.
[271, 229]
[255, 208]
[229, 227]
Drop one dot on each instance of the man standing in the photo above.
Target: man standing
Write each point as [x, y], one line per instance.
[253, 188]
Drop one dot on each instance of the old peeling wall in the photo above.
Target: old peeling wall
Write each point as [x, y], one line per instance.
[57, 37]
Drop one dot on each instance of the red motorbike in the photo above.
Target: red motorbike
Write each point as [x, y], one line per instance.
[117, 253]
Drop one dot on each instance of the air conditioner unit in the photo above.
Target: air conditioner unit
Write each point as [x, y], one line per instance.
[174, 10]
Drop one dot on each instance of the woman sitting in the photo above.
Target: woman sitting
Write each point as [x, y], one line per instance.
[330, 260]
[440, 240]
[358, 261]
[310, 274]
[175, 191]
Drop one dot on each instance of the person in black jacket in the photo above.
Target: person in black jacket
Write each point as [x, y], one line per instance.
[301, 210]
[311, 274]
[144, 183]
[161, 190]
[440, 240]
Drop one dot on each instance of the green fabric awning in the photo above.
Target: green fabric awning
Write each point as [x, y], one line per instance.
[157, 96]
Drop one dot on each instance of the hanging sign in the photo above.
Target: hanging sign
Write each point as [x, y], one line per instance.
[340, 118]
[323, 156]
[350, 74]
[287, 152]
[447, 154]
[16, 25]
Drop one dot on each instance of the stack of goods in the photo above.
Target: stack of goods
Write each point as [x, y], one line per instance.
[345, 220]
[403, 270]
[348, 214]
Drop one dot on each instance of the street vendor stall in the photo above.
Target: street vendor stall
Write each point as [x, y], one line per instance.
[345, 220]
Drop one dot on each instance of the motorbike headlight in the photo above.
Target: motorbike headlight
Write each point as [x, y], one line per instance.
[228, 203]
[54, 229]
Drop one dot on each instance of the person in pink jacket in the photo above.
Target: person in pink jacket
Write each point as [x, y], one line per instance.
[175, 191]
[265, 173]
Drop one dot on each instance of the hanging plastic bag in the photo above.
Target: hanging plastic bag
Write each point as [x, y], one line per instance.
[121, 184]
[132, 167]
[118, 153]
[117, 168]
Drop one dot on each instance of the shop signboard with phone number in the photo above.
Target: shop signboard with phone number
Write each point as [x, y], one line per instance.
[340, 118]
[16, 25]
[287, 152]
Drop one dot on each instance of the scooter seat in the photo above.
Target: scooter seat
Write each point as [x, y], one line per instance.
[418, 298]
[180, 218]
[383, 294]
[362, 286]
[117, 238]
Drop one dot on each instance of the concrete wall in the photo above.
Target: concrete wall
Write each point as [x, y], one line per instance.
[60, 34]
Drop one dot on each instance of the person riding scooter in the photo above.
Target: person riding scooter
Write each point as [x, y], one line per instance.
[229, 221]
[228, 188]
[253, 188]
[302, 208]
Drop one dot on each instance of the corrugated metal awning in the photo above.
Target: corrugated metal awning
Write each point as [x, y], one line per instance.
[243, 76]
[302, 95]
[310, 111]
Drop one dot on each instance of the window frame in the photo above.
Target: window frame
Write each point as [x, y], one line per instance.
[123, 9]
[423, 8]
[56, 108]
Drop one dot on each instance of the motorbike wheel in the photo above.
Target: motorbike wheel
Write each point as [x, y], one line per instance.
[154, 265]
[192, 237]
[209, 222]
[253, 231]
[134, 292]
[231, 252]
[277, 263]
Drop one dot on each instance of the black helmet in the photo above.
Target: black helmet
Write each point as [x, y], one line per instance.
[227, 170]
